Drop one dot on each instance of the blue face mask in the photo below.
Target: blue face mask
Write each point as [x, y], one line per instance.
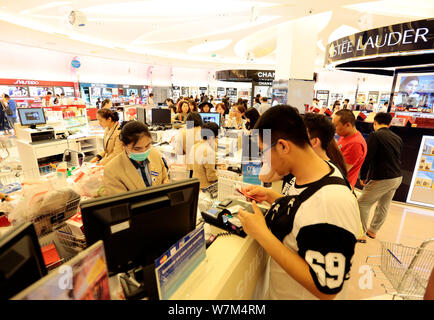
[141, 156]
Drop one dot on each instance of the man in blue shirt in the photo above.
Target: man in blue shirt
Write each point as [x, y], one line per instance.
[11, 112]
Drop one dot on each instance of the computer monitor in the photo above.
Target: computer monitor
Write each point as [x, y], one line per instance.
[87, 280]
[21, 261]
[141, 114]
[138, 226]
[31, 116]
[210, 117]
[250, 147]
[161, 116]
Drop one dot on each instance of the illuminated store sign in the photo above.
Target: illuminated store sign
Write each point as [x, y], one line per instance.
[410, 36]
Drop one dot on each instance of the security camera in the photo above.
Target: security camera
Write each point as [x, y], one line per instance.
[77, 19]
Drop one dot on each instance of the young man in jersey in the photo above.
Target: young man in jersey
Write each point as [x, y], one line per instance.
[314, 259]
[351, 143]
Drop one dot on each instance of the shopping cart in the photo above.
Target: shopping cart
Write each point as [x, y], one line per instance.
[52, 221]
[406, 268]
[70, 240]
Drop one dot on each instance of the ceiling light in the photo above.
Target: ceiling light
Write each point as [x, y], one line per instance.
[210, 46]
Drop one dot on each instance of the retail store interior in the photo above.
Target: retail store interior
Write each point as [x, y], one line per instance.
[134, 137]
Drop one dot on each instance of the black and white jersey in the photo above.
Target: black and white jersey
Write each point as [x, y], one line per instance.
[324, 234]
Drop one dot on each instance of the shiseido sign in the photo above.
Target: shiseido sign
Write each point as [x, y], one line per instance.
[27, 82]
[410, 36]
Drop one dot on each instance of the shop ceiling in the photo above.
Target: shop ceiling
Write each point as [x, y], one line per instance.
[193, 33]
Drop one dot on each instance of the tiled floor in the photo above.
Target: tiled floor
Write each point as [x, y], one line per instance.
[405, 224]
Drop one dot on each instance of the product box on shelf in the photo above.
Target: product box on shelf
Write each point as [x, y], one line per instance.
[428, 166]
[427, 182]
[75, 224]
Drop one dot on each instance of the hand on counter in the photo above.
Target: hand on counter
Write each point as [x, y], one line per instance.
[94, 160]
[253, 223]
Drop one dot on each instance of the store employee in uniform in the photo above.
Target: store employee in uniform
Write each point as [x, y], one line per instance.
[138, 166]
[112, 145]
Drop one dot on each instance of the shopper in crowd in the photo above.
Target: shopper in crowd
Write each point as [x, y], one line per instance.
[4, 124]
[264, 105]
[56, 100]
[251, 116]
[171, 106]
[351, 143]
[193, 106]
[211, 100]
[310, 256]
[138, 166]
[257, 103]
[10, 111]
[205, 107]
[151, 103]
[204, 167]
[47, 100]
[380, 174]
[236, 117]
[220, 108]
[183, 111]
[187, 137]
[63, 101]
[106, 104]
[108, 119]
[227, 104]
[346, 104]
[336, 106]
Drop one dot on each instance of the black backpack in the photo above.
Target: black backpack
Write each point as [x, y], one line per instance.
[280, 217]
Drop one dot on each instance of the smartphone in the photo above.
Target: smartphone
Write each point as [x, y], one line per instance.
[247, 196]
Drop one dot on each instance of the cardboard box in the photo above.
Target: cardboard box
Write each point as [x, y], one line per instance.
[75, 225]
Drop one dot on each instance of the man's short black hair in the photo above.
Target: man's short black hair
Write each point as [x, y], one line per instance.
[347, 100]
[346, 116]
[209, 127]
[264, 99]
[49, 92]
[196, 118]
[383, 118]
[284, 122]
[7, 96]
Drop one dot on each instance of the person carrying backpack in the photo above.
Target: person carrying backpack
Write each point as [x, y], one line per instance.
[310, 234]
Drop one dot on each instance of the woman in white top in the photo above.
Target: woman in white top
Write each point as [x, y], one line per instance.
[236, 117]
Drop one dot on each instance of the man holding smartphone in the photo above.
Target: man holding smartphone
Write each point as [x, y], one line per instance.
[313, 258]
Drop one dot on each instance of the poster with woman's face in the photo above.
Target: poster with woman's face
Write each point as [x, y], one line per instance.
[415, 90]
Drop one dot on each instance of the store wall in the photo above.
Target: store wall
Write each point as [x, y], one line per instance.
[24, 62]
[346, 83]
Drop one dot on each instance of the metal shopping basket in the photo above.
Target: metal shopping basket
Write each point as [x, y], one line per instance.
[406, 268]
[49, 222]
[69, 240]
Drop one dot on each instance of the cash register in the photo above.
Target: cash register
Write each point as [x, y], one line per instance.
[31, 129]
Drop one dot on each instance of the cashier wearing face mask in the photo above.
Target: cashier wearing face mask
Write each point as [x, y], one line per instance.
[112, 145]
[138, 166]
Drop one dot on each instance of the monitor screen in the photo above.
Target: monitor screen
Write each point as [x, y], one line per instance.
[414, 92]
[250, 147]
[31, 116]
[21, 261]
[211, 117]
[88, 279]
[138, 226]
[161, 116]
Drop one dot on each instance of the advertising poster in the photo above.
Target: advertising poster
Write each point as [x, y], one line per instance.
[323, 97]
[414, 91]
[421, 187]
[361, 98]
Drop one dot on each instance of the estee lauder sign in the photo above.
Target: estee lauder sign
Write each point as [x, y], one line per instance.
[410, 36]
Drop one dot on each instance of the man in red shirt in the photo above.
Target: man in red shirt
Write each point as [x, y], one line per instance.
[351, 143]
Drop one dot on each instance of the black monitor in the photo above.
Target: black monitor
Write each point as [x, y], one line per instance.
[21, 261]
[141, 114]
[210, 117]
[250, 147]
[31, 116]
[138, 226]
[161, 116]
